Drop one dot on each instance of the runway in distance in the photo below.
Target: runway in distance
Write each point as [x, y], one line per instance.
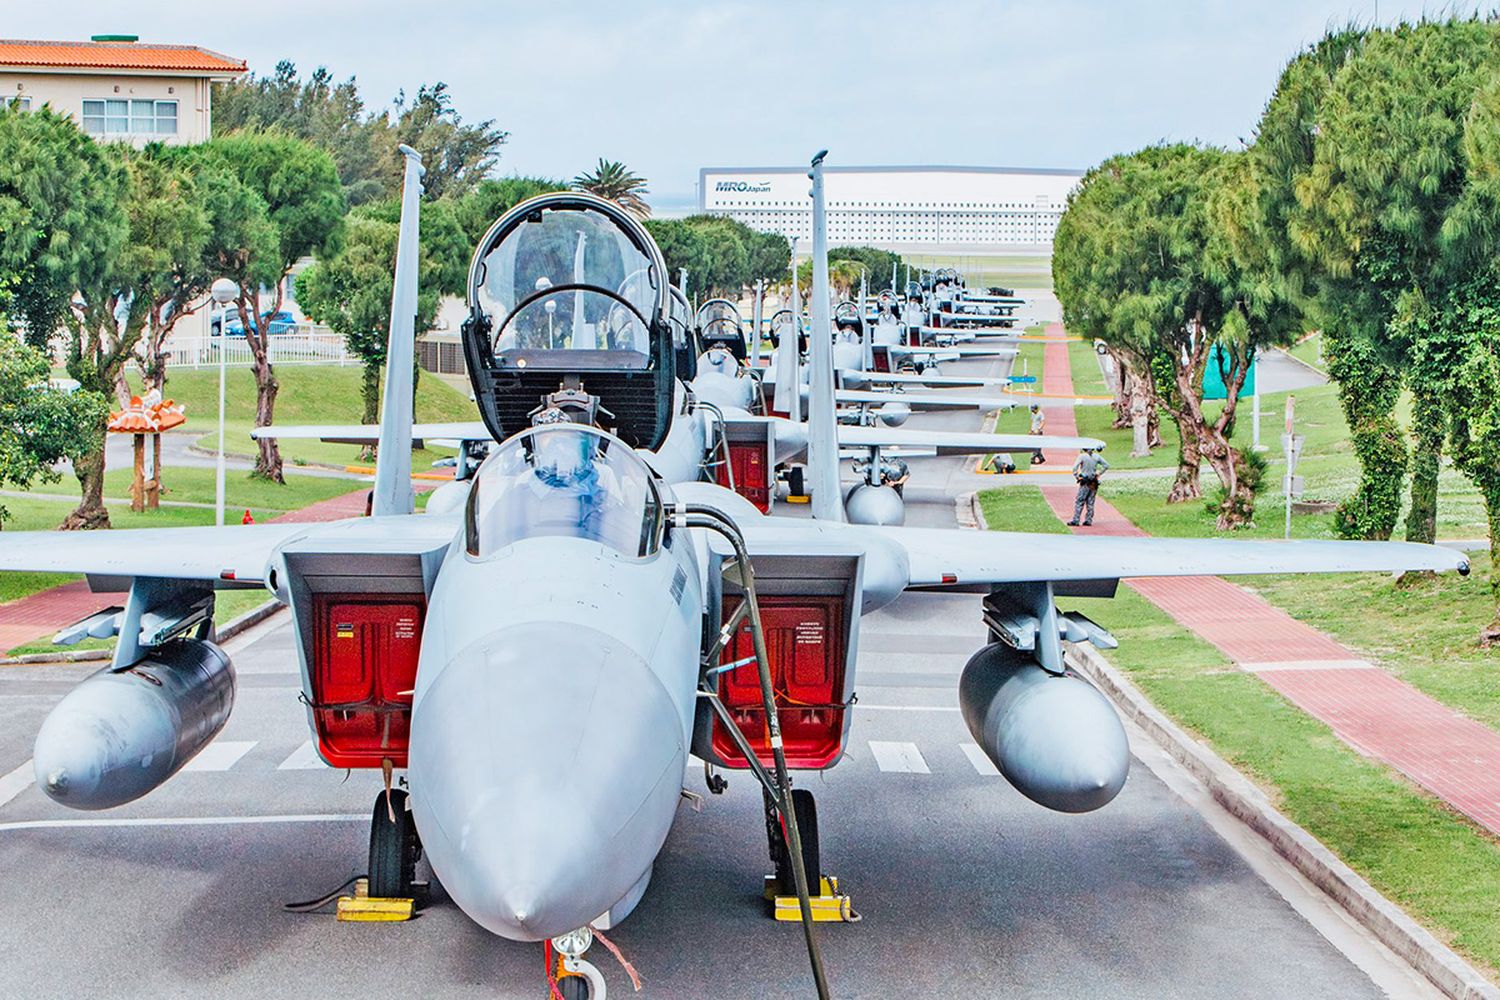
[598, 595]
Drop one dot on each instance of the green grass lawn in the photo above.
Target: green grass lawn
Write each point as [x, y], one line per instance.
[310, 394]
[1310, 351]
[1435, 864]
[228, 605]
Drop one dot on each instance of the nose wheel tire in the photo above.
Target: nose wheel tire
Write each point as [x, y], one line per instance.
[394, 848]
[574, 988]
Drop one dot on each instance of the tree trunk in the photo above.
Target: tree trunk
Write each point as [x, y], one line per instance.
[90, 512]
[1368, 392]
[1186, 485]
[268, 459]
[1426, 462]
[1139, 408]
[370, 390]
[1118, 378]
[1490, 489]
[268, 456]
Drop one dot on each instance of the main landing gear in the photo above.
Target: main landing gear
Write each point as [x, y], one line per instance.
[781, 858]
[828, 904]
[394, 848]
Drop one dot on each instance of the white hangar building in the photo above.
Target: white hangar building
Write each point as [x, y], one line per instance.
[899, 208]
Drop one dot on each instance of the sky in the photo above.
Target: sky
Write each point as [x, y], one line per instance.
[669, 87]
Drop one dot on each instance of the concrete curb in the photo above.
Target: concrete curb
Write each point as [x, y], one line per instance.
[231, 629]
[1438, 963]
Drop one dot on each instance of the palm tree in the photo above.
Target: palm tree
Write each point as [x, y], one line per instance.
[613, 181]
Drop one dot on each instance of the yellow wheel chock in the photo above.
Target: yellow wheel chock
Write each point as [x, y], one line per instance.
[828, 906]
[362, 907]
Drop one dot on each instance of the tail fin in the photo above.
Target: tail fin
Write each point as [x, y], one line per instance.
[822, 426]
[393, 493]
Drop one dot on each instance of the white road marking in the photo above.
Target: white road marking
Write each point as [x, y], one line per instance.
[71, 824]
[903, 758]
[304, 758]
[16, 782]
[981, 763]
[219, 755]
[906, 708]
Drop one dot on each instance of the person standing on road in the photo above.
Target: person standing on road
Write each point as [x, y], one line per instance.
[1038, 426]
[1087, 470]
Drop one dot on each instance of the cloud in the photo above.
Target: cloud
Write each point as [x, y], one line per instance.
[669, 86]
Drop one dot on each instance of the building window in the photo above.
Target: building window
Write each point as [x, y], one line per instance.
[21, 103]
[132, 117]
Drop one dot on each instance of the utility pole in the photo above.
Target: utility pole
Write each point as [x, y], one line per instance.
[1291, 447]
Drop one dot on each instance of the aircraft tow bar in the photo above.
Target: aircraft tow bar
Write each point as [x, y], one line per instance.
[778, 785]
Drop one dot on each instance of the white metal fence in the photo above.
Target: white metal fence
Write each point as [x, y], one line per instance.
[306, 346]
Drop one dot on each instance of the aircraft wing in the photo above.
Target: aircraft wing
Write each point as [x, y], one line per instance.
[940, 557]
[917, 401]
[460, 430]
[233, 552]
[931, 381]
[958, 442]
[954, 352]
[237, 553]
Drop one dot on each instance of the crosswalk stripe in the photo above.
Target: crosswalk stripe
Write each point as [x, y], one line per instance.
[304, 758]
[898, 757]
[981, 763]
[219, 755]
[16, 782]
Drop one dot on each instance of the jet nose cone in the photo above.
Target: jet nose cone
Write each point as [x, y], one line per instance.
[546, 763]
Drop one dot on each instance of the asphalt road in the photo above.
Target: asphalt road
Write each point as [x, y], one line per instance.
[966, 888]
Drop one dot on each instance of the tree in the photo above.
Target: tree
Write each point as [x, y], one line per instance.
[304, 204]
[880, 265]
[333, 116]
[611, 180]
[1129, 267]
[456, 156]
[351, 290]
[40, 426]
[493, 197]
[1388, 168]
[60, 218]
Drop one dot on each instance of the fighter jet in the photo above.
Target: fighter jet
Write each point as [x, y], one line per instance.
[540, 657]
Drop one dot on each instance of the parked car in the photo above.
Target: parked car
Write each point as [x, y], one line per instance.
[276, 323]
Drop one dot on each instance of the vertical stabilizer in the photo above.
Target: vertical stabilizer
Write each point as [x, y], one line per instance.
[788, 368]
[392, 494]
[760, 298]
[866, 352]
[822, 426]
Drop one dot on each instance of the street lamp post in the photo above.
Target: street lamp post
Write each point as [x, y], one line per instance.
[224, 292]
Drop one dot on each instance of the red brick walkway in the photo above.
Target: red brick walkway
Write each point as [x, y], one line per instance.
[44, 612]
[1455, 758]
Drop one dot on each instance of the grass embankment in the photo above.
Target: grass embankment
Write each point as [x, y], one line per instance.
[1309, 350]
[1436, 865]
[309, 394]
[1029, 272]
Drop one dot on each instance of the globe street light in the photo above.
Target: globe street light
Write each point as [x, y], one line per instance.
[223, 292]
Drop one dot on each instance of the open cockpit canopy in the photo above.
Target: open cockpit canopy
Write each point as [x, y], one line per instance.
[720, 325]
[569, 289]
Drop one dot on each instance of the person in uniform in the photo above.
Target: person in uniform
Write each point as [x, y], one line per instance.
[1038, 427]
[1087, 470]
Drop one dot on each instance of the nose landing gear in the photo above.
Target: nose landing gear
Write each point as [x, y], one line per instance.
[574, 977]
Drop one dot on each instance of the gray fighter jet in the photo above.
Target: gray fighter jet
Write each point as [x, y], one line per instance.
[541, 653]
